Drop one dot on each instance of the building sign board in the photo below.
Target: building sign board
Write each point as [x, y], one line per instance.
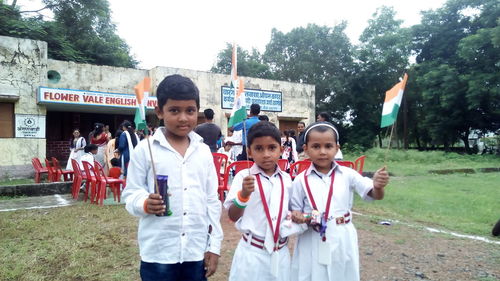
[268, 100]
[30, 126]
[90, 98]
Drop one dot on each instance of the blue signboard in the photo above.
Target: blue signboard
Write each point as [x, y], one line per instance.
[268, 100]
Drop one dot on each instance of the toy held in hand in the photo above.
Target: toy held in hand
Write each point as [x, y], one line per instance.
[163, 190]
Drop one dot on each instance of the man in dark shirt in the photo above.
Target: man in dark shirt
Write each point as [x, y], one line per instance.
[209, 131]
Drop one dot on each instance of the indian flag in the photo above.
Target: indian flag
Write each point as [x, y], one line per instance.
[239, 112]
[142, 94]
[392, 103]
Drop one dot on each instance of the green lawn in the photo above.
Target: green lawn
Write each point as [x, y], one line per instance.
[82, 242]
[463, 203]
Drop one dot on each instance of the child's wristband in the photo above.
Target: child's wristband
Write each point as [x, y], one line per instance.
[243, 199]
[239, 204]
[145, 207]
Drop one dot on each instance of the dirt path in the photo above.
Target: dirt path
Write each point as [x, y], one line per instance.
[401, 252]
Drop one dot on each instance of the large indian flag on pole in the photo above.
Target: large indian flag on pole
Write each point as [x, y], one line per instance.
[239, 112]
[392, 103]
[142, 94]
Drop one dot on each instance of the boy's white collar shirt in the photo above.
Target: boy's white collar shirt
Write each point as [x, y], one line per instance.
[254, 218]
[89, 157]
[194, 202]
[346, 181]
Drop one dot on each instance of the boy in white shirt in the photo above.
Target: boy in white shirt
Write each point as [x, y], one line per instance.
[186, 244]
[90, 150]
[258, 203]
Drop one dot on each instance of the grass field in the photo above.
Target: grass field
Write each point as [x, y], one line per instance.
[466, 203]
[85, 242]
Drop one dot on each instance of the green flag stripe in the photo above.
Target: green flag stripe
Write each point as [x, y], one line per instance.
[239, 115]
[389, 119]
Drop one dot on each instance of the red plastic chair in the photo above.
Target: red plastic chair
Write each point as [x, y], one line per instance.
[359, 163]
[236, 166]
[54, 175]
[298, 167]
[90, 181]
[77, 178]
[345, 163]
[39, 169]
[220, 162]
[283, 164]
[103, 181]
[67, 174]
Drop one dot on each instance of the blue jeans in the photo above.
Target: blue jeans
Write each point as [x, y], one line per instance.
[186, 271]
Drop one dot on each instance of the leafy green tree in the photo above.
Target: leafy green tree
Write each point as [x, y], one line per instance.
[81, 31]
[318, 55]
[382, 57]
[458, 66]
[249, 63]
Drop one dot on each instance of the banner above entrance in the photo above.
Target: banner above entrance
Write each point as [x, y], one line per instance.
[89, 98]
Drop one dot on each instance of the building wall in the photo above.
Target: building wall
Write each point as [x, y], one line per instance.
[24, 68]
[99, 78]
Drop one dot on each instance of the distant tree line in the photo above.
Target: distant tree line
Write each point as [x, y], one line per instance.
[80, 31]
[452, 58]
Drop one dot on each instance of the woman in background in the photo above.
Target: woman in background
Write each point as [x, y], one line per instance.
[77, 143]
[128, 141]
[99, 138]
[112, 150]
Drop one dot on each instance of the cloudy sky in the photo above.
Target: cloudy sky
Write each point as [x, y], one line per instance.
[189, 33]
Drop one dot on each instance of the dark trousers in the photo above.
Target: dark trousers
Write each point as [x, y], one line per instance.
[186, 271]
[243, 154]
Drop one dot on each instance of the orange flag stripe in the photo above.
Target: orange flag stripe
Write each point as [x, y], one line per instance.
[141, 87]
[392, 93]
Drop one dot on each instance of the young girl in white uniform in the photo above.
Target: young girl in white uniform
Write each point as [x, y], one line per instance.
[258, 203]
[328, 249]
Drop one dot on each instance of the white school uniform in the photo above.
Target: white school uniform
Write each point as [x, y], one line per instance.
[342, 250]
[194, 202]
[249, 262]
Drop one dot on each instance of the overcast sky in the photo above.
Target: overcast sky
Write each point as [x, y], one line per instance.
[189, 33]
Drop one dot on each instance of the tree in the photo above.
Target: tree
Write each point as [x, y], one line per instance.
[248, 64]
[318, 55]
[458, 66]
[81, 31]
[382, 58]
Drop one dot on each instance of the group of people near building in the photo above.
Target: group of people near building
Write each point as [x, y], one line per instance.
[180, 235]
[113, 153]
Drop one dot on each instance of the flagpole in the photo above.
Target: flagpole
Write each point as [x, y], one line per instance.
[157, 191]
[389, 144]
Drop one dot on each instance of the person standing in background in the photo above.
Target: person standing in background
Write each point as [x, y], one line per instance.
[209, 131]
[300, 140]
[128, 141]
[76, 146]
[108, 133]
[112, 150]
[99, 138]
[245, 126]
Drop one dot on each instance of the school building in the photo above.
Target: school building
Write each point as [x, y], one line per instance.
[43, 100]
